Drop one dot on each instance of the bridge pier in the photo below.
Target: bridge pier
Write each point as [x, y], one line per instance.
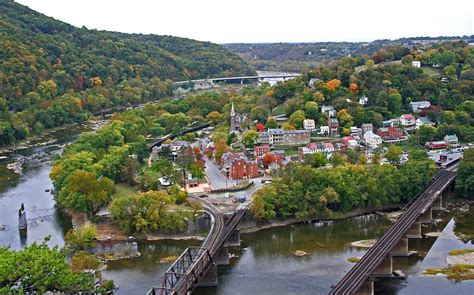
[210, 279]
[438, 203]
[234, 239]
[427, 217]
[222, 256]
[385, 269]
[367, 288]
[401, 248]
[414, 232]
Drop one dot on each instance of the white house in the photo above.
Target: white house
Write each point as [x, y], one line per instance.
[363, 100]
[372, 140]
[324, 130]
[452, 140]
[416, 106]
[328, 110]
[416, 64]
[308, 124]
[407, 120]
[312, 82]
[423, 121]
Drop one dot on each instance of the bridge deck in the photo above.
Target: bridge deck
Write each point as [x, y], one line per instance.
[192, 264]
[356, 277]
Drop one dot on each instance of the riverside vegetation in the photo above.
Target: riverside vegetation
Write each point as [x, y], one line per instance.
[46, 84]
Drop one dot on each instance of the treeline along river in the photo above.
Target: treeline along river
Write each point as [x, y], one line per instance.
[265, 263]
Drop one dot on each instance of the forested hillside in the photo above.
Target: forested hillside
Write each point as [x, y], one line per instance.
[304, 56]
[52, 73]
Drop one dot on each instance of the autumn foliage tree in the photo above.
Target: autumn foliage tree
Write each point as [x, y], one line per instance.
[333, 84]
[268, 158]
[353, 88]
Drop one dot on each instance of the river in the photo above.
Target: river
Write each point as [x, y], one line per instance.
[263, 264]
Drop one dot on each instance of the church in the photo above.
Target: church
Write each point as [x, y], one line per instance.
[236, 120]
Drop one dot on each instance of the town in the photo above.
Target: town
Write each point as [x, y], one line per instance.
[248, 148]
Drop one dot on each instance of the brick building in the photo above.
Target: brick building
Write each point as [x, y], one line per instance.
[391, 133]
[242, 169]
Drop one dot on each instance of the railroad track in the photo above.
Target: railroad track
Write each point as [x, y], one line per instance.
[356, 277]
[191, 266]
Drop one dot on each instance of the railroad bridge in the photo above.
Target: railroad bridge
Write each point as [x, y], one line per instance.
[378, 260]
[197, 266]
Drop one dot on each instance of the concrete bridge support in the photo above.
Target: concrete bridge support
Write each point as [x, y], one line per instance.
[385, 269]
[438, 203]
[401, 248]
[210, 279]
[222, 256]
[234, 239]
[427, 217]
[367, 288]
[414, 232]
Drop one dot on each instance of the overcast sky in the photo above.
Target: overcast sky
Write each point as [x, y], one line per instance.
[223, 21]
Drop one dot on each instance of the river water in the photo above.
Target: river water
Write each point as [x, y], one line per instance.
[263, 264]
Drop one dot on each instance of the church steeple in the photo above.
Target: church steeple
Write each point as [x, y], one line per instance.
[232, 111]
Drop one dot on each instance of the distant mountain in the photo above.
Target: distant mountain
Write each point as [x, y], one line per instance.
[34, 47]
[300, 56]
[52, 73]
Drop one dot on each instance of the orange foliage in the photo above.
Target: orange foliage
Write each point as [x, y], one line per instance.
[268, 158]
[333, 84]
[353, 88]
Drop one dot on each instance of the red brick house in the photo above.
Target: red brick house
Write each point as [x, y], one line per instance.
[240, 169]
[391, 133]
[261, 150]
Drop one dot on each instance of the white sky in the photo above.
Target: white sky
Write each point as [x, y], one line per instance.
[223, 21]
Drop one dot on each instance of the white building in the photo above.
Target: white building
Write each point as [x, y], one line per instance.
[372, 140]
[452, 140]
[416, 106]
[328, 110]
[308, 124]
[363, 100]
[324, 130]
[407, 120]
[416, 64]
[423, 121]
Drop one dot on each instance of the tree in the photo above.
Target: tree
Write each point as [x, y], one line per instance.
[37, 268]
[249, 138]
[297, 118]
[311, 110]
[129, 169]
[219, 136]
[268, 158]
[220, 149]
[316, 160]
[353, 88]
[81, 238]
[333, 84]
[376, 158]
[83, 192]
[344, 118]
[425, 133]
[393, 154]
[465, 179]
[214, 117]
[449, 72]
[271, 123]
[394, 102]
[260, 127]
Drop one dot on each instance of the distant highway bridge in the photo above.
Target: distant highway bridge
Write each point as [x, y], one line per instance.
[377, 261]
[197, 266]
[240, 79]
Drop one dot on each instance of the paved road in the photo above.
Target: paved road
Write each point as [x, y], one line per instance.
[215, 177]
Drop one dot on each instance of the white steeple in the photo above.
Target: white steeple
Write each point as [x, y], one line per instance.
[232, 111]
